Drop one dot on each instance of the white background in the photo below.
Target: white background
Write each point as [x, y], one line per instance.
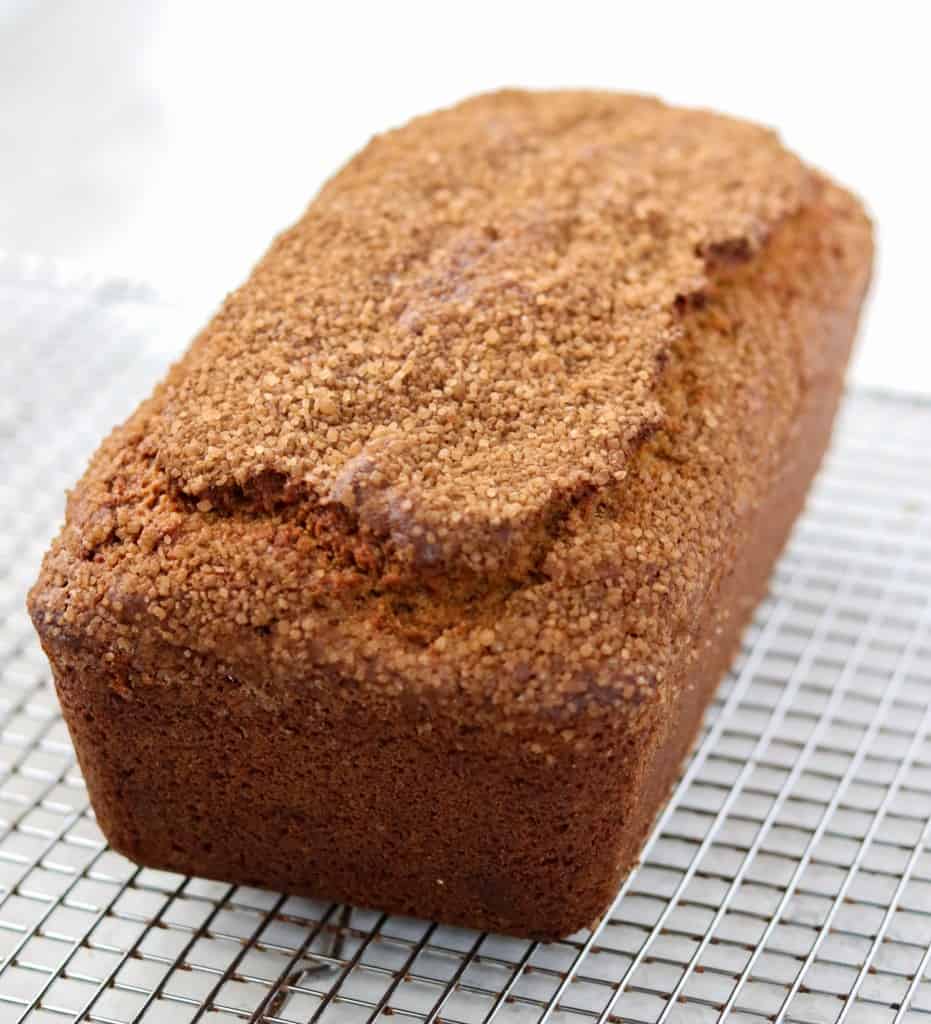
[168, 142]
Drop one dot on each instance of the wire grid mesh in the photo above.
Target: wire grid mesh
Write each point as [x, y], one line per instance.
[788, 879]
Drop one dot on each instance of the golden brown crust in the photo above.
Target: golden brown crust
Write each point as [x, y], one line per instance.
[287, 589]
[574, 652]
[464, 331]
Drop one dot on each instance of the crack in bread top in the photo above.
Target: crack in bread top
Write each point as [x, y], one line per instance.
[463, 334]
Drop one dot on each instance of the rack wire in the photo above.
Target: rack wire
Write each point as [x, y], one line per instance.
[787, 880]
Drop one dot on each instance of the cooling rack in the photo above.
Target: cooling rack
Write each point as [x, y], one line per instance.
[788, 879]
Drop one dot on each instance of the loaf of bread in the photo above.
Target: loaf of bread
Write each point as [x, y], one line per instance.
[410, 583]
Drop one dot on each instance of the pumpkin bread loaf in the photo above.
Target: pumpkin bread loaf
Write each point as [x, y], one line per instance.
[410, 583]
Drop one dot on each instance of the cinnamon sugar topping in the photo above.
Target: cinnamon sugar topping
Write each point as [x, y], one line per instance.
[463, 333]
[489, 424]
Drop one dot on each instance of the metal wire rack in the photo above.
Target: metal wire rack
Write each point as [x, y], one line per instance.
[788, 879]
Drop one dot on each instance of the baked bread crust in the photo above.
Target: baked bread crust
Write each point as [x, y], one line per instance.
[355, 606]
